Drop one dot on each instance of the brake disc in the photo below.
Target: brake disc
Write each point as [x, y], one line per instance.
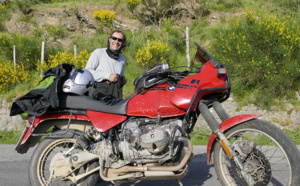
[257, 165]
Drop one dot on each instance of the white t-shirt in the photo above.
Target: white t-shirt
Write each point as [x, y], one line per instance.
[101, 65]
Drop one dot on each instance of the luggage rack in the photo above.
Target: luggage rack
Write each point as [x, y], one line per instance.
[69, 111]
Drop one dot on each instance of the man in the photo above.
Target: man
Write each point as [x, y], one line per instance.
[108, 65]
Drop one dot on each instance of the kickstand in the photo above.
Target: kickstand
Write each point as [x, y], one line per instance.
[180, 183]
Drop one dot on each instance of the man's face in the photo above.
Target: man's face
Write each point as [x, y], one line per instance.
[115, 41]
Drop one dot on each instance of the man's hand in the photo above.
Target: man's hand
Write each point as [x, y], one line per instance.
[113, 78]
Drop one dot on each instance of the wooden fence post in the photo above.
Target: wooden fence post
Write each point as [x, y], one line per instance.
[188, 48]
[14, 54]
[42, 58]
[75, 53]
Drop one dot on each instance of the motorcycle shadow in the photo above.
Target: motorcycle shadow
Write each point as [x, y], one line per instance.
[200, 174]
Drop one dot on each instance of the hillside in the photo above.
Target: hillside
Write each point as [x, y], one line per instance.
[63, 24]
[78, 20]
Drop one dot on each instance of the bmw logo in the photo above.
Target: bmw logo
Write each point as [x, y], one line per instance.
[171, 88]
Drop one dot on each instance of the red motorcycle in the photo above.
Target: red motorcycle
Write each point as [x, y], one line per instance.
[146, 136]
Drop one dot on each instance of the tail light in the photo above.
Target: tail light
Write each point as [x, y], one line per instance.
[30, 120]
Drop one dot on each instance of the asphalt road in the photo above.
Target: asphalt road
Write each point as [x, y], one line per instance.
[14, 170]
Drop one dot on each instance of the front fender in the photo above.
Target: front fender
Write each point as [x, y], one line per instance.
[227, 124]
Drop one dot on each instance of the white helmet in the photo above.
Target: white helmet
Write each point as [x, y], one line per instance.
[80, 82]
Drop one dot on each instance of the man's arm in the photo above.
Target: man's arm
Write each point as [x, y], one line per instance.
[94, 66]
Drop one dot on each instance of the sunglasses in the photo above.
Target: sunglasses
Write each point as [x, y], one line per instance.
[115, 38]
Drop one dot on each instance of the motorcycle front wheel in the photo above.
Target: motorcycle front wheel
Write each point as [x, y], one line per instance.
[39, 173]
[272, 157]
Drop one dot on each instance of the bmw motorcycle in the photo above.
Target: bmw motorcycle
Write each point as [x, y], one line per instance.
[147, 135]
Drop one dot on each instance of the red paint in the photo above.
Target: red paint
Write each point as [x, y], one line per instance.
[104, 121]
[227, 124]
[101, 121]
[155, 102]
[207, 78]
[158, 101]
[49, 116]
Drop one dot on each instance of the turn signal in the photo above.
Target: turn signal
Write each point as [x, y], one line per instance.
[222, 72]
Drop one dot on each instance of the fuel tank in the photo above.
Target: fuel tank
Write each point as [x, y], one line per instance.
[154, 103]
[167, 101]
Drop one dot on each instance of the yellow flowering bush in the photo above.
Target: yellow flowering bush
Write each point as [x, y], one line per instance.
[132, 4]
[152, 53]
[9, 77]
[66, 57]
[104, 17]
[261, 52]
[63, 57]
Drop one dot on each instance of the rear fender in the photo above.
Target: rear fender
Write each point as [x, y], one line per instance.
[43, 123]
[227, 124]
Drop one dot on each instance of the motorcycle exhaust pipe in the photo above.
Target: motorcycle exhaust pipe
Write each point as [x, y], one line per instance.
[158, 175]
[145, 168]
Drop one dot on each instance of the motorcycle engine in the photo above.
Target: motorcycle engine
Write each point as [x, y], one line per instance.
[145, 137]
[155, 140]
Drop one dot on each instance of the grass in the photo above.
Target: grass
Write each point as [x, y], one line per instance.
[11, 136]
[200, 136]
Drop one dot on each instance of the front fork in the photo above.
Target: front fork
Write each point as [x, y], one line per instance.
[215, 127]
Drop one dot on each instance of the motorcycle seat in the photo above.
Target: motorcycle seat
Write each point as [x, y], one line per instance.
[71, 101]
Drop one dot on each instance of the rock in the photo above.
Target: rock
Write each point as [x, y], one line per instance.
[279, 118]
[7, 122]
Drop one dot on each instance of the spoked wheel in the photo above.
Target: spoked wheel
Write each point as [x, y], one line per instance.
[39, 169]
[267, 154]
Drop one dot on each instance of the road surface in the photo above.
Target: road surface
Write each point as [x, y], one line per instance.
[14, 170]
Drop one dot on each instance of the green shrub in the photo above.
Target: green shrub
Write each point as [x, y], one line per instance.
[226, 5]
[28, 49]
[57, 31]
[6, 7]
[38, 32]
[292, 5]
[152, 53]
[262, 53]
[172, 36]
[153, 11]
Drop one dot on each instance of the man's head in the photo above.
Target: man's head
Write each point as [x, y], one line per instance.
[116, 41]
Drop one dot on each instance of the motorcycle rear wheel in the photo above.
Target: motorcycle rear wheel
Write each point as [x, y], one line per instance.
[39, 172]
[274, 160]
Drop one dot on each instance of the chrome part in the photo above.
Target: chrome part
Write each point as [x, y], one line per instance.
[273, 153]
[155, 141]
[62, 166]
[135, 171]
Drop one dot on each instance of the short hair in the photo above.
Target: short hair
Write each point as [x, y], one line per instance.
[124, 38]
